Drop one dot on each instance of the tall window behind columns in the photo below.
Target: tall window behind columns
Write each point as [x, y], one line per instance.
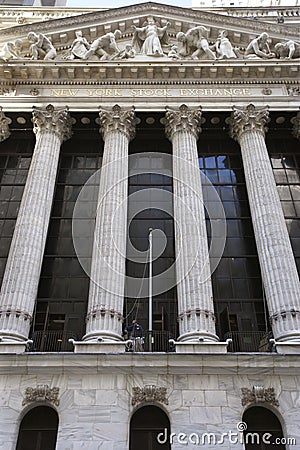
[285, 159]
[150, 138]
[63, 289]
[237, 284]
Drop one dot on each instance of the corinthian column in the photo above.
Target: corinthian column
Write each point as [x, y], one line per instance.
[22, 272]
[194, 287]
[4, 126]
[277, 262]
[106, 295]
[296, 125]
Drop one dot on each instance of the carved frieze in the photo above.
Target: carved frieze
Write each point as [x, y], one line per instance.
[259, 394]
[41, 393]
[149, 393]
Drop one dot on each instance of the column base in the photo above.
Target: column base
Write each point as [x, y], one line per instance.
[288, 347]
[13, 346]
[98, 346]
[201, 347]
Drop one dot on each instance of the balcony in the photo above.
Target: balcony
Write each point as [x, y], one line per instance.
[154, 342]
[52, 341]
[249, 341]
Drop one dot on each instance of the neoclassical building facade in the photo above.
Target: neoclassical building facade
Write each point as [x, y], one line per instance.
[150, 173]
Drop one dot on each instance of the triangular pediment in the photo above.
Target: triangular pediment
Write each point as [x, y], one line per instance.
[175, 56]
[95, 24]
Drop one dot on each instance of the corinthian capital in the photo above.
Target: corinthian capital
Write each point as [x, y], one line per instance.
[247, 119]
[182, 119]
[52, 120]
[4, 126]
[118, 119]
[296, 125]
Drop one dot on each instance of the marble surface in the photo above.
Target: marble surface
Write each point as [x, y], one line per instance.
[95, 393]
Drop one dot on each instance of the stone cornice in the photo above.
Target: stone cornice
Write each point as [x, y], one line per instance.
[56, 72]
[143, 10]
[63, 363]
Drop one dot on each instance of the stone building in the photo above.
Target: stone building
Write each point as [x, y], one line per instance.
[149, 172]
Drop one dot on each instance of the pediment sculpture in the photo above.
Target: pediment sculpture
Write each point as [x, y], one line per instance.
[150, 37]
[148, 41]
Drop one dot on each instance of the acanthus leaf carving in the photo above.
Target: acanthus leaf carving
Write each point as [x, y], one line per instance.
[118, 119]
[259, 394]
[41, 393]
[182, 119]
[53, 120]
[149, 392]
[247, 119]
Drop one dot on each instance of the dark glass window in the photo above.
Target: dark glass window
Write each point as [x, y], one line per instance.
[285, 160]
[149, 429]
[38, 429]
[151, 138]
[16, 153]
[237, 284]
[262, 427]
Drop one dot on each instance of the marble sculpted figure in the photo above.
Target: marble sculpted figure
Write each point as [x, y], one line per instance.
[287, 50]
[259, 47]
[11, 50]
[41, 46]
[223, 46]
[149, 38]
[195, 43]
[105, 47]
[80, 46]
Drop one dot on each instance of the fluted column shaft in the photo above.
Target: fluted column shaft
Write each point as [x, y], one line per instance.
[296, 125]
[22, 272]
[107, 284]
[4, 126]
[194, 287]
[277, 262]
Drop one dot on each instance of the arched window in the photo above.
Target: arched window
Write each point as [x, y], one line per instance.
[264, 430]
[38, 429]
[146, 424]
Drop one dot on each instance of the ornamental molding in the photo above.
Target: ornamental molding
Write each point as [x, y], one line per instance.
[142, 11]
[52, 120]
[182, 119]
[41, 393]
[248, 119]
[149, 393]
[259, 394]
[118, 119]
[164, 71]
[4, 126]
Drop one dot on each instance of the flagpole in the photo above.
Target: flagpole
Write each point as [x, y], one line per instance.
[150, 290]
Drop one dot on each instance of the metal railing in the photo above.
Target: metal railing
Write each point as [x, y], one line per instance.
[249, 341]
[52, 341]
[154, 341]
